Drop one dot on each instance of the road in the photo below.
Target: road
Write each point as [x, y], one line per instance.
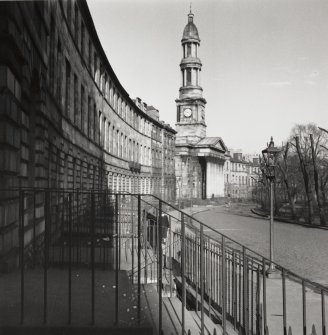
[300, 249]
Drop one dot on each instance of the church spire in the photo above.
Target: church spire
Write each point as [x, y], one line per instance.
[190, 64]
[190, 15]
[191, 125]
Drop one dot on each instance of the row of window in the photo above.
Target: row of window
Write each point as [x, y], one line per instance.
[240, 167]
[119, 144]
[95, 125]
[125, 183]
[240, 180]
[82, 111]
[100, 76]
[74, 173]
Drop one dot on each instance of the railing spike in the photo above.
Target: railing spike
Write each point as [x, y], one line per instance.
[189, 332]
[290, 330]
[214, 332]
[314, 332]
[266, 330]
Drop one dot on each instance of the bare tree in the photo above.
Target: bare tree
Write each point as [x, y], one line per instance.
[306, 177]
[324, 184]
[314, 151]
[284, 167]
[310, 144]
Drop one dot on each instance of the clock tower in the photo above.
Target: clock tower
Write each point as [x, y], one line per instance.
[190, 126]
[198, 159]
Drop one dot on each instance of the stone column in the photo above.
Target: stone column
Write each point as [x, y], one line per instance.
[220, 177]
[221, 181]
[217, 179]
[208, 179]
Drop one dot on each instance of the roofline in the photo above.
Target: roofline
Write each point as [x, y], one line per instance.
[84, 8]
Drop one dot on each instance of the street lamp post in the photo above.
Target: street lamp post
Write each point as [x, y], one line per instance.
[270, 155]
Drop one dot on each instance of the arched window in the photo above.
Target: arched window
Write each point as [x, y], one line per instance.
[130, 150]
[118, 105]
[113, 146]
[115, 99]
[138, 155]
[123, 109]
[126, 147]
[109, 137]
[117, 143]
[110, 93]
[121, 145]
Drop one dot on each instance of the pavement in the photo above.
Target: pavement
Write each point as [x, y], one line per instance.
[172, 306]
[57, 302]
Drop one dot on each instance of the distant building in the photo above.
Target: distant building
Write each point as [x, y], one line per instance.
[241, 174]
[199, 159]
[162, 153]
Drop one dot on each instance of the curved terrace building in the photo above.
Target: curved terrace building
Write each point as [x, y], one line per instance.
[65, 119]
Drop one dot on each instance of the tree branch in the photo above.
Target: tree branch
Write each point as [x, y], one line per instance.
[323, 146]
[323, 129]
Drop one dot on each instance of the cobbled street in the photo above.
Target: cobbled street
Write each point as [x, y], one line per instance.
[302, 250]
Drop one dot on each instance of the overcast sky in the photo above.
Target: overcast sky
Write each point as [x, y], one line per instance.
[265, 62]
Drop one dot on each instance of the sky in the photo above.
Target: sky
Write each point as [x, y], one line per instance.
[265, 62]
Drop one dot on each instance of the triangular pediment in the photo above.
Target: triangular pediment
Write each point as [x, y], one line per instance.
[212, 142]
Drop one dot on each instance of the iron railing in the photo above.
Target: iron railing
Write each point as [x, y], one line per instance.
[149, 265]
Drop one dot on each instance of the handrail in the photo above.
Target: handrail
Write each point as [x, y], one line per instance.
[202, 259]
[107, 192]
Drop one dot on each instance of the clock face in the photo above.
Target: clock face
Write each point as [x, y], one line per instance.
[187, 112]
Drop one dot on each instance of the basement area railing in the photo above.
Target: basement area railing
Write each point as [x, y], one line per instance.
[99, 259]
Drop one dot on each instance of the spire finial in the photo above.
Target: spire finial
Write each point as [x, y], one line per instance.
[190, 15]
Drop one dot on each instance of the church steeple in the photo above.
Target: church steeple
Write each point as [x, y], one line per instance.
[191, 104]
[190, 64]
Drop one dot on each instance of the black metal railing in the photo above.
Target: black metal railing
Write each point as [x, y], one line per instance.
[129, 260]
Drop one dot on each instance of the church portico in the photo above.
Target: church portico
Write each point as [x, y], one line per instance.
[214, 185]
[214, 160]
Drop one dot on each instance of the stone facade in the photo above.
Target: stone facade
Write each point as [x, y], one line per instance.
[199, 159]
[241, 176]
[65, 119]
